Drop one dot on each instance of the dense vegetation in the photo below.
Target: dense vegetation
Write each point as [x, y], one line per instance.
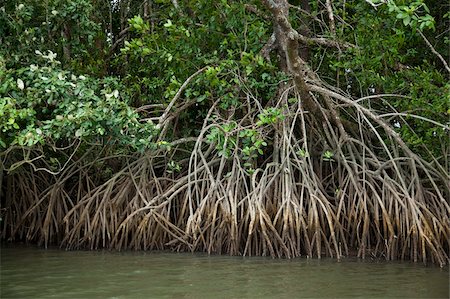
[241, 127]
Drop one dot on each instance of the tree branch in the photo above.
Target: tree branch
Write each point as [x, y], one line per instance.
[268, 47]
[287, 38]
[164, 116]
[331, 17]
[376, 5]
[434, 51]
[120, 37]
[307, 13]
[256, 11]
[323, 42]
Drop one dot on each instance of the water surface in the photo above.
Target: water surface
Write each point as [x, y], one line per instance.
[53, 273]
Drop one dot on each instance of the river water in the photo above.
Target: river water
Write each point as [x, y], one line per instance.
[38, 273]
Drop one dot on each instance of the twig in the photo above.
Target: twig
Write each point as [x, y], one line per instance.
[177, 95]
[415, 116]
[323, 41]
[120, 37]
[434, 51]
[64, 166]
[376, 5]
[149, 106]
[306, 13]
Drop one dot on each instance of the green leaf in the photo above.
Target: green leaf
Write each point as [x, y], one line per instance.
[168, 24]
[406, 20]
[79, 132]
[401, 15]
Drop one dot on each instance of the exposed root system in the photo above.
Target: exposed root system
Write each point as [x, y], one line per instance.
[372, 198]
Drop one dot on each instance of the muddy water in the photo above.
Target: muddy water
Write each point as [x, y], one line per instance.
[52, 273]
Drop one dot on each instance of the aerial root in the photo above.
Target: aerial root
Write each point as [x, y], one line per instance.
[370, 197]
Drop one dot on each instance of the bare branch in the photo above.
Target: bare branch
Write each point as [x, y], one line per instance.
[268, 47]
[120, 38]
[323, 42]
[178, 94]
[376, 5]
[434, 51]
[331, 17]
[307, 13]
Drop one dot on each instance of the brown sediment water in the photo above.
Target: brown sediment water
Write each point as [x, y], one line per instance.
[29, 272]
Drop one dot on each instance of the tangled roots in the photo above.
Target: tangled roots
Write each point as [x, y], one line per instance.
[371, 197]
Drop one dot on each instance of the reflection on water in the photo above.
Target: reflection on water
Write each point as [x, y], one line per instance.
[53, 273]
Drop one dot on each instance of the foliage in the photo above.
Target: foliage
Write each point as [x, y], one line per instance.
[67, 28]
[45, 104]
[391, 58]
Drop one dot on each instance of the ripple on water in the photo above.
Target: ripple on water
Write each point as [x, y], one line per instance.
[38, 273]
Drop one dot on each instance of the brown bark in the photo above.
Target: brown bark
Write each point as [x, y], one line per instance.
[304, 30]
[65, 33]
[287, 41]
[288, 49]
